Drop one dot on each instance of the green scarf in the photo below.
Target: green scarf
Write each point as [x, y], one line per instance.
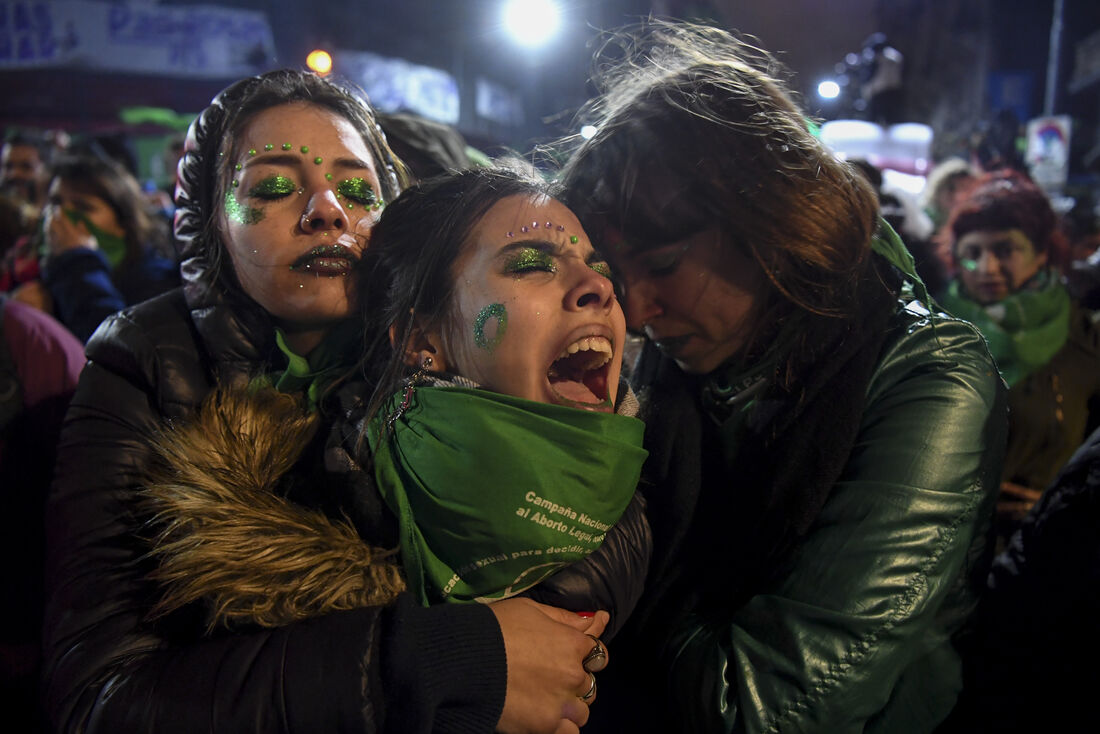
[1025, 330]
[312, 374]
[112, 246]
[494, 493]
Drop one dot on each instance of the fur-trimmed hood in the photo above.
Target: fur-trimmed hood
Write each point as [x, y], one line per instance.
[223, 535]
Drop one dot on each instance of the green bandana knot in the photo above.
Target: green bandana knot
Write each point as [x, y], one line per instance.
[1025, 330]
[112, 246]
[494, 493]
[311, 375]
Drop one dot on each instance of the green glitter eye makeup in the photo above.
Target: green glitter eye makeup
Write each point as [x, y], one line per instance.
[358, 190]
[273, 187]
[602, 268]
[530, 259]
[236, 212]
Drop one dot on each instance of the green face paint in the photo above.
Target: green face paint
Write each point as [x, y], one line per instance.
[273, 187]
[970, 265]
[602, 268]
[492, 311]
[358, 190]
[530, 259]
[241, 214]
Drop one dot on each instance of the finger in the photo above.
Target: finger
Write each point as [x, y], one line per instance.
[588, 695]
[597, 659]
[565, 726]
[575, 710]
[597, 624]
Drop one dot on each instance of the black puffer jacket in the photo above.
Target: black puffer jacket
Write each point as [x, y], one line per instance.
[107, 666]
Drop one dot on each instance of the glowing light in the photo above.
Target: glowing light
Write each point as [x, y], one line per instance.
[319, 61]
[532, 22]
[587, 131]
[828, 90]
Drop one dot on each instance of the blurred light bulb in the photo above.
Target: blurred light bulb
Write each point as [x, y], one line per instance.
[319, 61]
[532, 22]
[828, 90]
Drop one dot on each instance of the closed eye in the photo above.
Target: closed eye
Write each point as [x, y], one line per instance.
[273, 187]
[530, 259]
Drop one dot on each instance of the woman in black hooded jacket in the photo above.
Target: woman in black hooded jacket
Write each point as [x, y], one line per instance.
[280, 184]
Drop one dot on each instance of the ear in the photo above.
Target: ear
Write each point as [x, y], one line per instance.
[421, 345]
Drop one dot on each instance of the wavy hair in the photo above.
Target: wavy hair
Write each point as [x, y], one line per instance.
[696, 129]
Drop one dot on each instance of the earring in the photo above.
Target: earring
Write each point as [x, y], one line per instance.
[410, 389]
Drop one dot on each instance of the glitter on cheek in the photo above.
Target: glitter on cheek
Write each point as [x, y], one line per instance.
[235, 212]
[494, 311]
[970, 265]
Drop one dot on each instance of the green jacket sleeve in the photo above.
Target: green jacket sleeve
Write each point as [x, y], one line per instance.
[857, 637]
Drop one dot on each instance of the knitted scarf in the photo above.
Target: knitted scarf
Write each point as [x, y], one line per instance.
[1025, 330]
[494, 493]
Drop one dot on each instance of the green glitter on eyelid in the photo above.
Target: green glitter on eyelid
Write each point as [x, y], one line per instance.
[357, 189]
[530, 258]
[492, 311]
[273, 186]
[241, 214]
[602, 268]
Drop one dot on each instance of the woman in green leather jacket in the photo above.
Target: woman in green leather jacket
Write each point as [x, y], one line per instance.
[824, 451]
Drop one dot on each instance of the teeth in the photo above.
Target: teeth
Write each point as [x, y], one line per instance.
[599, 346]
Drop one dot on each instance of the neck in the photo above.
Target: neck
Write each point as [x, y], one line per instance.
[302, 342]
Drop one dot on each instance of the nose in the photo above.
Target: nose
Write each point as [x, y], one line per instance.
[323, 212]
[988, 263]
[592, 290]
[639, 302]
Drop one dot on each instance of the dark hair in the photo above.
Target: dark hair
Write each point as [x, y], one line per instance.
[1001, 200]
[695, 130]
[409, 267]
[206, 167]
[108, 180]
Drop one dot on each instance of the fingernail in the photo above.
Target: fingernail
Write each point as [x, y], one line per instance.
[586, 615]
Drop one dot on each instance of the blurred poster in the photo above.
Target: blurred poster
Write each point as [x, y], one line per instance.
[193, 41]
[396, 85]
[497, 103]
[1048, 151]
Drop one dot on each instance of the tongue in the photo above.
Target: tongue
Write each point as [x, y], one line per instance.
[574, 391]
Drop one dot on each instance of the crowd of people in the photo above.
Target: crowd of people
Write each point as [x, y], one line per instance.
[388, 436]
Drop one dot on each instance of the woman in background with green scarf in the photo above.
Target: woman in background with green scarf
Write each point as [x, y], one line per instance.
[1005, 244]
[103, 249]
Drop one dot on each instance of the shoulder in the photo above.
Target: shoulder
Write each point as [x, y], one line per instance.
[35, 337]
[937, 349]
[155, 343]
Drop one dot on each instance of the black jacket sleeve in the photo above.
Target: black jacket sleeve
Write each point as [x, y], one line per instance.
[610, 578]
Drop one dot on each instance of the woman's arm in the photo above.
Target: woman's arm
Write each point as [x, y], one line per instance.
[108, 668]
[888, 572]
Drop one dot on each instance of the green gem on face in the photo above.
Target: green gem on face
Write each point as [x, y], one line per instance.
[358, 190]
[305, 149]
[318, 160]
[238, 167]
[287, 146]
[268, 146]
[235, 212]
[236, 183]
[492, 311]
[252, 151]
[573, 239]
[328, 176]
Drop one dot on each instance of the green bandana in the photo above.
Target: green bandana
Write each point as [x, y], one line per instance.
[1025, 330]
[494, 493]
[311, 375]
[112, 246]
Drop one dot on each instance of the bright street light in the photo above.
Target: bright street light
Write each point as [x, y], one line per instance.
[828, 90]
[532, 22]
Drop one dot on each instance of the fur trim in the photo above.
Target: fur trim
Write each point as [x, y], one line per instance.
[223, 536]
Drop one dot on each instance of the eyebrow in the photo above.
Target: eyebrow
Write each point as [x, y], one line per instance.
[295, 159]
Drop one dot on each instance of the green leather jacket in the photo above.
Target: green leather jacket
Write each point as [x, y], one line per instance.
[856, 633]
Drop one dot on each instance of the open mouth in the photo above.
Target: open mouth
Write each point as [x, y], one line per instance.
[329, 261]
[578, 377]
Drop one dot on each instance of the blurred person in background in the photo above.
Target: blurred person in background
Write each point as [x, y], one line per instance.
[103, 248]
[1006, 246]
[24, 166]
